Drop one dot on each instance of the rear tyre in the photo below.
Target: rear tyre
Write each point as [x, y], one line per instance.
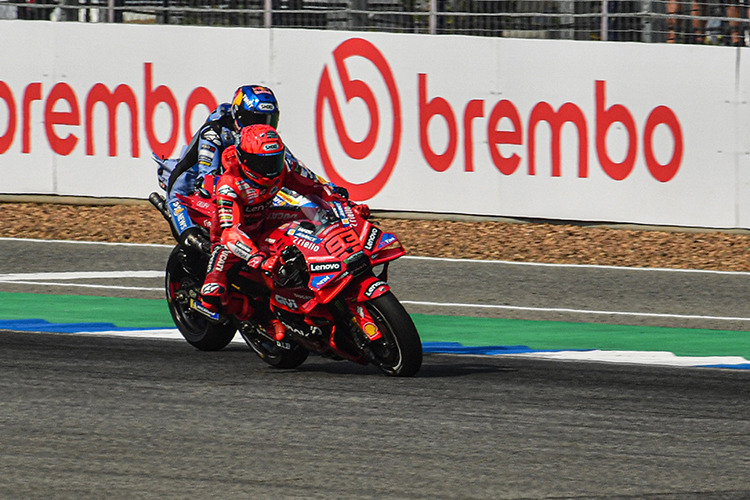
[399, 351]
[185, 273]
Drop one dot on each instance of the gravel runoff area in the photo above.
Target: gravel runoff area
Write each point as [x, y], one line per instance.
[137, 221]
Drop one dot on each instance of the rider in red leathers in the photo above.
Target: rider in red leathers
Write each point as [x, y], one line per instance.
[254, 171]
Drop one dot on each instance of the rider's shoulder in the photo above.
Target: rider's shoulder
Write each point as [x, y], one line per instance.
[223, 109]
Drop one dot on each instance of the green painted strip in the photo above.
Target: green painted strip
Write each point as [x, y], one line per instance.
[559, 335]
[123, 312]
[469, 331]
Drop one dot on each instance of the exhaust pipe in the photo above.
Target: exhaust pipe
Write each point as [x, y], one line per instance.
[191, 238]
[160, 203]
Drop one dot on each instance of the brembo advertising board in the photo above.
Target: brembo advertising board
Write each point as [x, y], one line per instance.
[640, 133]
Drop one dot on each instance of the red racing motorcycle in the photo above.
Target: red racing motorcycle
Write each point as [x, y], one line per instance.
[330, 294]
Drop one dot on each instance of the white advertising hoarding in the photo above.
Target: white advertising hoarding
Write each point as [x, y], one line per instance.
[644, 133]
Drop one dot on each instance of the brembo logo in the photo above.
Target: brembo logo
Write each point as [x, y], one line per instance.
[510, 134]
[357, 89]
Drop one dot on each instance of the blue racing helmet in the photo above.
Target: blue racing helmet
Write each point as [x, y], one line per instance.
[254, 104]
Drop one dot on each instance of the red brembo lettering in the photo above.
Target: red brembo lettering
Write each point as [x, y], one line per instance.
[201, 95]
[61, 92]
[33, 93]
[427, 111]
[61, 108]
[604, 119]
[153, 97]
[662, 115]
[504, 109]
[512, 134]
[568, 113]
[475, 109]
[7, 138]
[123, 94]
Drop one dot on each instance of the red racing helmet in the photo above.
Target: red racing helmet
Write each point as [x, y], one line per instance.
[261, 154]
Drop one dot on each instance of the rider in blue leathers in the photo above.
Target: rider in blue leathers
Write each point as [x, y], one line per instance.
[252, 104]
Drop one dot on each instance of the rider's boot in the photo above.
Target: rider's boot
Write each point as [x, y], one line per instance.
[210, 299]
[276, 329]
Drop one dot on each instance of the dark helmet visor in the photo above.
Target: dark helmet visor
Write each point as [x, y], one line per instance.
[247, 118]
[263, 165]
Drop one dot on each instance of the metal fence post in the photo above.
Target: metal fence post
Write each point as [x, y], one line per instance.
[605, 21]
[567, 8]
[433, 17]
[267, 13]
[646, 24]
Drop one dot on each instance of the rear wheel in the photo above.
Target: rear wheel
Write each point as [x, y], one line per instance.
[398, 352]
[185, 273]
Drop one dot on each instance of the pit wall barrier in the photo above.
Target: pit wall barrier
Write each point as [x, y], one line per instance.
[619, 132]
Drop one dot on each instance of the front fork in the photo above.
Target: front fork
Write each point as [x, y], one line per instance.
[360, 325]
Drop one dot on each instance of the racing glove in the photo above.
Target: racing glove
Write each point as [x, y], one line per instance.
[362, 210]
[263, 262]
[335, 193]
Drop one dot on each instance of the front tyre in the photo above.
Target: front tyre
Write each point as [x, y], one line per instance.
[399, 350]
[185, 273]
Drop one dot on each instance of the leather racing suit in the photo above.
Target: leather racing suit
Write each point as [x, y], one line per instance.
[242, 209]
[201, 157]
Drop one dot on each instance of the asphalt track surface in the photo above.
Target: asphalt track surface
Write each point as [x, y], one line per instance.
[100, 417]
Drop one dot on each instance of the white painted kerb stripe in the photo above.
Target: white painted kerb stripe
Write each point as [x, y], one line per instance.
[576, 311]
[34, 279]
[81, 275]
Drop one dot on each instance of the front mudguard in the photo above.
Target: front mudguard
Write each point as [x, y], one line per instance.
[369, 288]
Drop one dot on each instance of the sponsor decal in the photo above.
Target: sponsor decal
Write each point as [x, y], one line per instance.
[203, 310]
[357, 263]
[370, 330]
[305, 244]
[286, 302]
[323, 267]
[387, 239]
[266, 106]
[310, 330]
[303, 234]
[253, 209]
[338, 209]
[374, 288]
[372, 238]
[180, 216]
[317, 282]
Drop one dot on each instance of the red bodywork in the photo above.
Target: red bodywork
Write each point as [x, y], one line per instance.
[340, 253]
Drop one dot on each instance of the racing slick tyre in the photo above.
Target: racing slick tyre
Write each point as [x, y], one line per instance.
[184, 278]
[399, 351]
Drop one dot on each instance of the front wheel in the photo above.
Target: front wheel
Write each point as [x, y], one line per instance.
[185, 273]
[398, 352]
